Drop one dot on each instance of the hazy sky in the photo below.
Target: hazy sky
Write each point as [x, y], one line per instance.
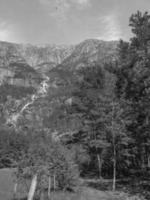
[66, 21]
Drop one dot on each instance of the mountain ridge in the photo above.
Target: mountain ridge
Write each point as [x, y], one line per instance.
[24, 67]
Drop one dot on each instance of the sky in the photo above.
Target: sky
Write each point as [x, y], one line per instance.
[66, 21]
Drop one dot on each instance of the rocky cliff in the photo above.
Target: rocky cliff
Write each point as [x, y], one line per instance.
[23, 68]
[90, 51]
[30, 62]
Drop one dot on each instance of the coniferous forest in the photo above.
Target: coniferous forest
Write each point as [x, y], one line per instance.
[91, 131]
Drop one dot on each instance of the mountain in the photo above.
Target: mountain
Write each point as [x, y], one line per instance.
[25, 69]
[63, 77]
[86, 54]
[44, 57]
[89, 51]
[37, 56]
[24, 63]
[14, 68]
[22, 66]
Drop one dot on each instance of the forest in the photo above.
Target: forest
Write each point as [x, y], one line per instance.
[97, 132]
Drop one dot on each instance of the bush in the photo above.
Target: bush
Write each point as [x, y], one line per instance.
[66, 170]
[49, 159]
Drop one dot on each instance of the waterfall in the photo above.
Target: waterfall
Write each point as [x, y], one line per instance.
[41, 91]
[33, 97]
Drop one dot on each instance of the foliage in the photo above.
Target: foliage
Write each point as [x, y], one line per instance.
[16, 92]
[100, 115]
[46, 158]
[134, 85]
[12, 145]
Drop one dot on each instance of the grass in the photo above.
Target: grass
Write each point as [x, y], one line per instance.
[84, 193]
[6, 184]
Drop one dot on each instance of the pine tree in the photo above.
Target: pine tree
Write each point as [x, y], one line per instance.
[86, 105]
[134, 85]
[103, 130]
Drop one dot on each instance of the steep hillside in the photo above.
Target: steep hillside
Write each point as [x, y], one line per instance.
[24, 65]
[42, 57]
[62, 80]
[9, 54]
[46, 57]
[90, 51]
[25, 68]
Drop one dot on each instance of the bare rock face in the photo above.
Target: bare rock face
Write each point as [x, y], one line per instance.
[25, 65]
[89, 51]
[24, 68]
[44, 58]
[35, 56]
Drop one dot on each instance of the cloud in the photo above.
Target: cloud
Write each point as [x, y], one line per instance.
[5, 33]
[82, 3]
[111, 28]
[65, 2]
[56, 8]
[59, 9]
[8, 32]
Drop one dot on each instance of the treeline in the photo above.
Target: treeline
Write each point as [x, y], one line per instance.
[113, 103]
[102, 123]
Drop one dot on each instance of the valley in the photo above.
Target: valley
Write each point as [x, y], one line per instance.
[74, 100]
[71, 118]
[27, 66]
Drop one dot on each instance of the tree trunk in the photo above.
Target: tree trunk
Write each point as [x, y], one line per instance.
[42, 195]
[143, 158]
[114, 150]
[54, 182]
[49, 187]
[27, 187]
[15, 190]
[114, 170]
[148, 161]
[32, 188]
[99, 165]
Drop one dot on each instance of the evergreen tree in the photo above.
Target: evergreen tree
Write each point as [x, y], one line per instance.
[134, 85]
[103, 130]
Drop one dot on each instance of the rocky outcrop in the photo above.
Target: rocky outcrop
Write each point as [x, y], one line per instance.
[24, 64]
[42, 58]
[90, 51]
[23, 68]
[20, 74]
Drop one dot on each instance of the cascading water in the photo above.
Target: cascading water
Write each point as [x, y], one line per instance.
[42, 90]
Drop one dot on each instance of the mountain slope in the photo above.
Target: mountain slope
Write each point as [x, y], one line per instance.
[38, 57]
[46, 57]
[25, 66]
[90, 51]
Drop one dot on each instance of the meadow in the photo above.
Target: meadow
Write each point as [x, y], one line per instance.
[84, 193]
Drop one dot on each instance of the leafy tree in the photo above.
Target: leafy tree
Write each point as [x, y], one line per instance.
[134, 84]
[46, 160]
[86, 106]
[103, 124]
[11, 147]
[117, 137]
